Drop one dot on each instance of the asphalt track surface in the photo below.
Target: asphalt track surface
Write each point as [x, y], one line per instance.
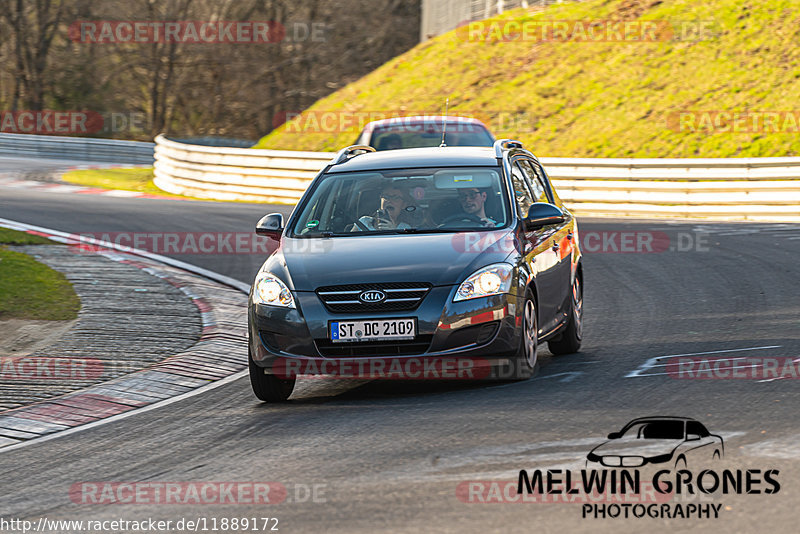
[390, 456]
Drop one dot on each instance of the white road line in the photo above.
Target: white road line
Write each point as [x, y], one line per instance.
[778, 377]
[569, 376]
[675, 364]
[653, 362]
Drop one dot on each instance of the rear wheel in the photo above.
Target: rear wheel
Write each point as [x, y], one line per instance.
[526, 359]
[268, 387]
[570, 340]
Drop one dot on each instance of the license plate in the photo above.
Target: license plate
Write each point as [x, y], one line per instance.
[373, 330]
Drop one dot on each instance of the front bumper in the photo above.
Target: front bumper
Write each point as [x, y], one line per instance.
[485, 330]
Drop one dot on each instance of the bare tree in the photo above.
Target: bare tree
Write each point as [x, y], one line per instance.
[32, 26]
[197, 89]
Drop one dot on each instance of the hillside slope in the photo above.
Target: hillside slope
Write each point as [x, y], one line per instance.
[568, 95]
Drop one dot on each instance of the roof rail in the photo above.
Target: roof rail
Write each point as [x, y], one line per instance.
[347, 153]
[505, 144]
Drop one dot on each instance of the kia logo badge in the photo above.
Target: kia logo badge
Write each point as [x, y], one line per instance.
[373, 296]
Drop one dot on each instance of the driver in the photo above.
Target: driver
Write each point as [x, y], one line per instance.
[397, 211]
[473, 202]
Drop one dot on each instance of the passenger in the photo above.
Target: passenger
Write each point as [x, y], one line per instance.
[397, 211]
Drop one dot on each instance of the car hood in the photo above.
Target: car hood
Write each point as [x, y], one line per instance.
[438, 259]
[637, 447]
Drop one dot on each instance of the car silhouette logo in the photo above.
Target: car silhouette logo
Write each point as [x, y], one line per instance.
[673, 441]
[372, 296]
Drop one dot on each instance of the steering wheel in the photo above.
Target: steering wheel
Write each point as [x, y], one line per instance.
[461, 217]
[361, 225]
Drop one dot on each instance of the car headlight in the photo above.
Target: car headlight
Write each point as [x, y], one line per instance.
[660, 459]
[270, 290]
[492, 280]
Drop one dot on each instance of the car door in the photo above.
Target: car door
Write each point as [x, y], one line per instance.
[561, 237]
[541, 258]
[701, 449]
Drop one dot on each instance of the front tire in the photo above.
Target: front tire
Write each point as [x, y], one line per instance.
[570, 340]
[525, 362]
[268, 387]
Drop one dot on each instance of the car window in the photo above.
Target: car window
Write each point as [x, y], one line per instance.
[522, 194]
[666, 429]
[536, 181]
[404, 200]
[429, 134]
[663, 430]
[695, 427]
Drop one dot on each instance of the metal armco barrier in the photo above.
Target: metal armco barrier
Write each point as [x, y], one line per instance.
[737, 189]
[223, 173]
[76, 148]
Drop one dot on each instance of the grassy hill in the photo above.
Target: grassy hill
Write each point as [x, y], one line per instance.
[570, 96]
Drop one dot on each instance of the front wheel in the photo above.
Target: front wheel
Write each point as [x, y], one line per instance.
[526, 359]
[268, 387]
[570, 339]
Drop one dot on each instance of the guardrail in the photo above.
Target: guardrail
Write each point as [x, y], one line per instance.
[76, 148]
[224, 173]
[736, 189]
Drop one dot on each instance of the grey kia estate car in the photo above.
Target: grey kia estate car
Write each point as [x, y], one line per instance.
[461, 258]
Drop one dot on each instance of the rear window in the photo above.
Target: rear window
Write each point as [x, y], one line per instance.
[666, 429]
[396, 136]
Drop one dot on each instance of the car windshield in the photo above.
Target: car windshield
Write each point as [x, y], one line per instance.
[404, 201]
[428, 134]
[655, 430]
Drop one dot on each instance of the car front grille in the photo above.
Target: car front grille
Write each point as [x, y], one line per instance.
[365, 349]
[400, 296]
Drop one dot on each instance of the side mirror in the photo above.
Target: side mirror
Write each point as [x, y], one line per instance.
[614, 435]
[692, 437]
[271, 226]
[543, 214]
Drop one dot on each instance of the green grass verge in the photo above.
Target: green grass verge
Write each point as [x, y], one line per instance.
[15, 237]
[29, 289]
[134, 179]
[597, 99]
[126, 179]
